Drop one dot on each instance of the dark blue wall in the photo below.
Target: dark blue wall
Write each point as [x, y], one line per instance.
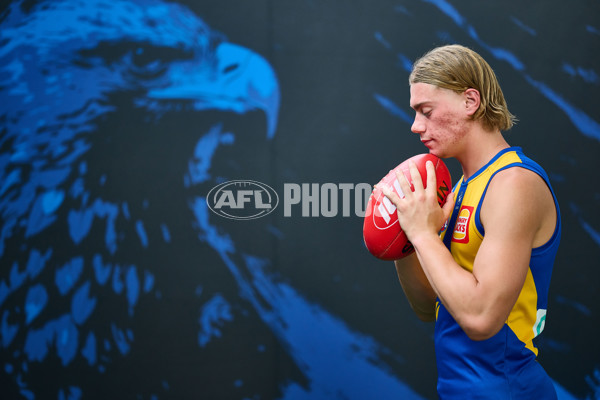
[118, 117]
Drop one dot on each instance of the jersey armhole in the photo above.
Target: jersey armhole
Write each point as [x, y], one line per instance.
[542, 175]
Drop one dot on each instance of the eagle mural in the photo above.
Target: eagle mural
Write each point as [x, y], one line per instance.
[97, 173]
[116, 280]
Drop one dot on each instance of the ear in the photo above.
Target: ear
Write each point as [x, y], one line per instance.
[472, 100]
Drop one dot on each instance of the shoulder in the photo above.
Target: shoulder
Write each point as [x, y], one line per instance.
[518, 184]
[521, 179]
[519, 197]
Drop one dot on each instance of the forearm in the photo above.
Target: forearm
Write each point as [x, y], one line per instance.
[416, 287]
[457, 288]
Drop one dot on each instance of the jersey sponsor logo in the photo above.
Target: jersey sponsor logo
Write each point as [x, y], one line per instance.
[461, 228]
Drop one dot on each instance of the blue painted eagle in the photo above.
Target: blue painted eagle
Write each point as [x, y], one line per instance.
[111, 114]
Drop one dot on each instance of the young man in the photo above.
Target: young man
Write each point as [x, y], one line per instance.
[485, 279]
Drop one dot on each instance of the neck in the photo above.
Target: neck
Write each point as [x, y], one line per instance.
[480, 150]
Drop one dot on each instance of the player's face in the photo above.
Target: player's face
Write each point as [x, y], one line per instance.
[440, 120]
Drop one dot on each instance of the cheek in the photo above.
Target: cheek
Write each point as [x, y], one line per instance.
[450, 127]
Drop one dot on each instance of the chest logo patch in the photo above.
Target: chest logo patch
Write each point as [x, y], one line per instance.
[461, 228]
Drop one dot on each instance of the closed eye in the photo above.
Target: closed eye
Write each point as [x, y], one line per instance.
[426, 112]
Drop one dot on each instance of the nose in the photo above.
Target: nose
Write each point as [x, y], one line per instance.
[418, 125]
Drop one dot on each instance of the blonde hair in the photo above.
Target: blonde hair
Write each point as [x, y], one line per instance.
[459, 68]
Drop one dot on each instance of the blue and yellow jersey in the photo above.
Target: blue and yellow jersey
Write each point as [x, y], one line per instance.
[503, 366]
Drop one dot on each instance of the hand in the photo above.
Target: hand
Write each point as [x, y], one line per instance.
[419, 212]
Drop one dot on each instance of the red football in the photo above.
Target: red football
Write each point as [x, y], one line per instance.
[382, 233]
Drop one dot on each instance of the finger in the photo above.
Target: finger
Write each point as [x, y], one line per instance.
[431, 177]
[390, 194]
[416, 176]
[403, 181]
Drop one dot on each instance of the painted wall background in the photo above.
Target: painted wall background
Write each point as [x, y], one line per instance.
[118, 117]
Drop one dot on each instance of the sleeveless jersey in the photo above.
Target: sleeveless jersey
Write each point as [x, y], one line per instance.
[503, 366]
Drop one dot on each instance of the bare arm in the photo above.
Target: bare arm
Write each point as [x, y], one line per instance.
[514, 219]
[416, 287]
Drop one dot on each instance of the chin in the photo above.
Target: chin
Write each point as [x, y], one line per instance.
[437, 153]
